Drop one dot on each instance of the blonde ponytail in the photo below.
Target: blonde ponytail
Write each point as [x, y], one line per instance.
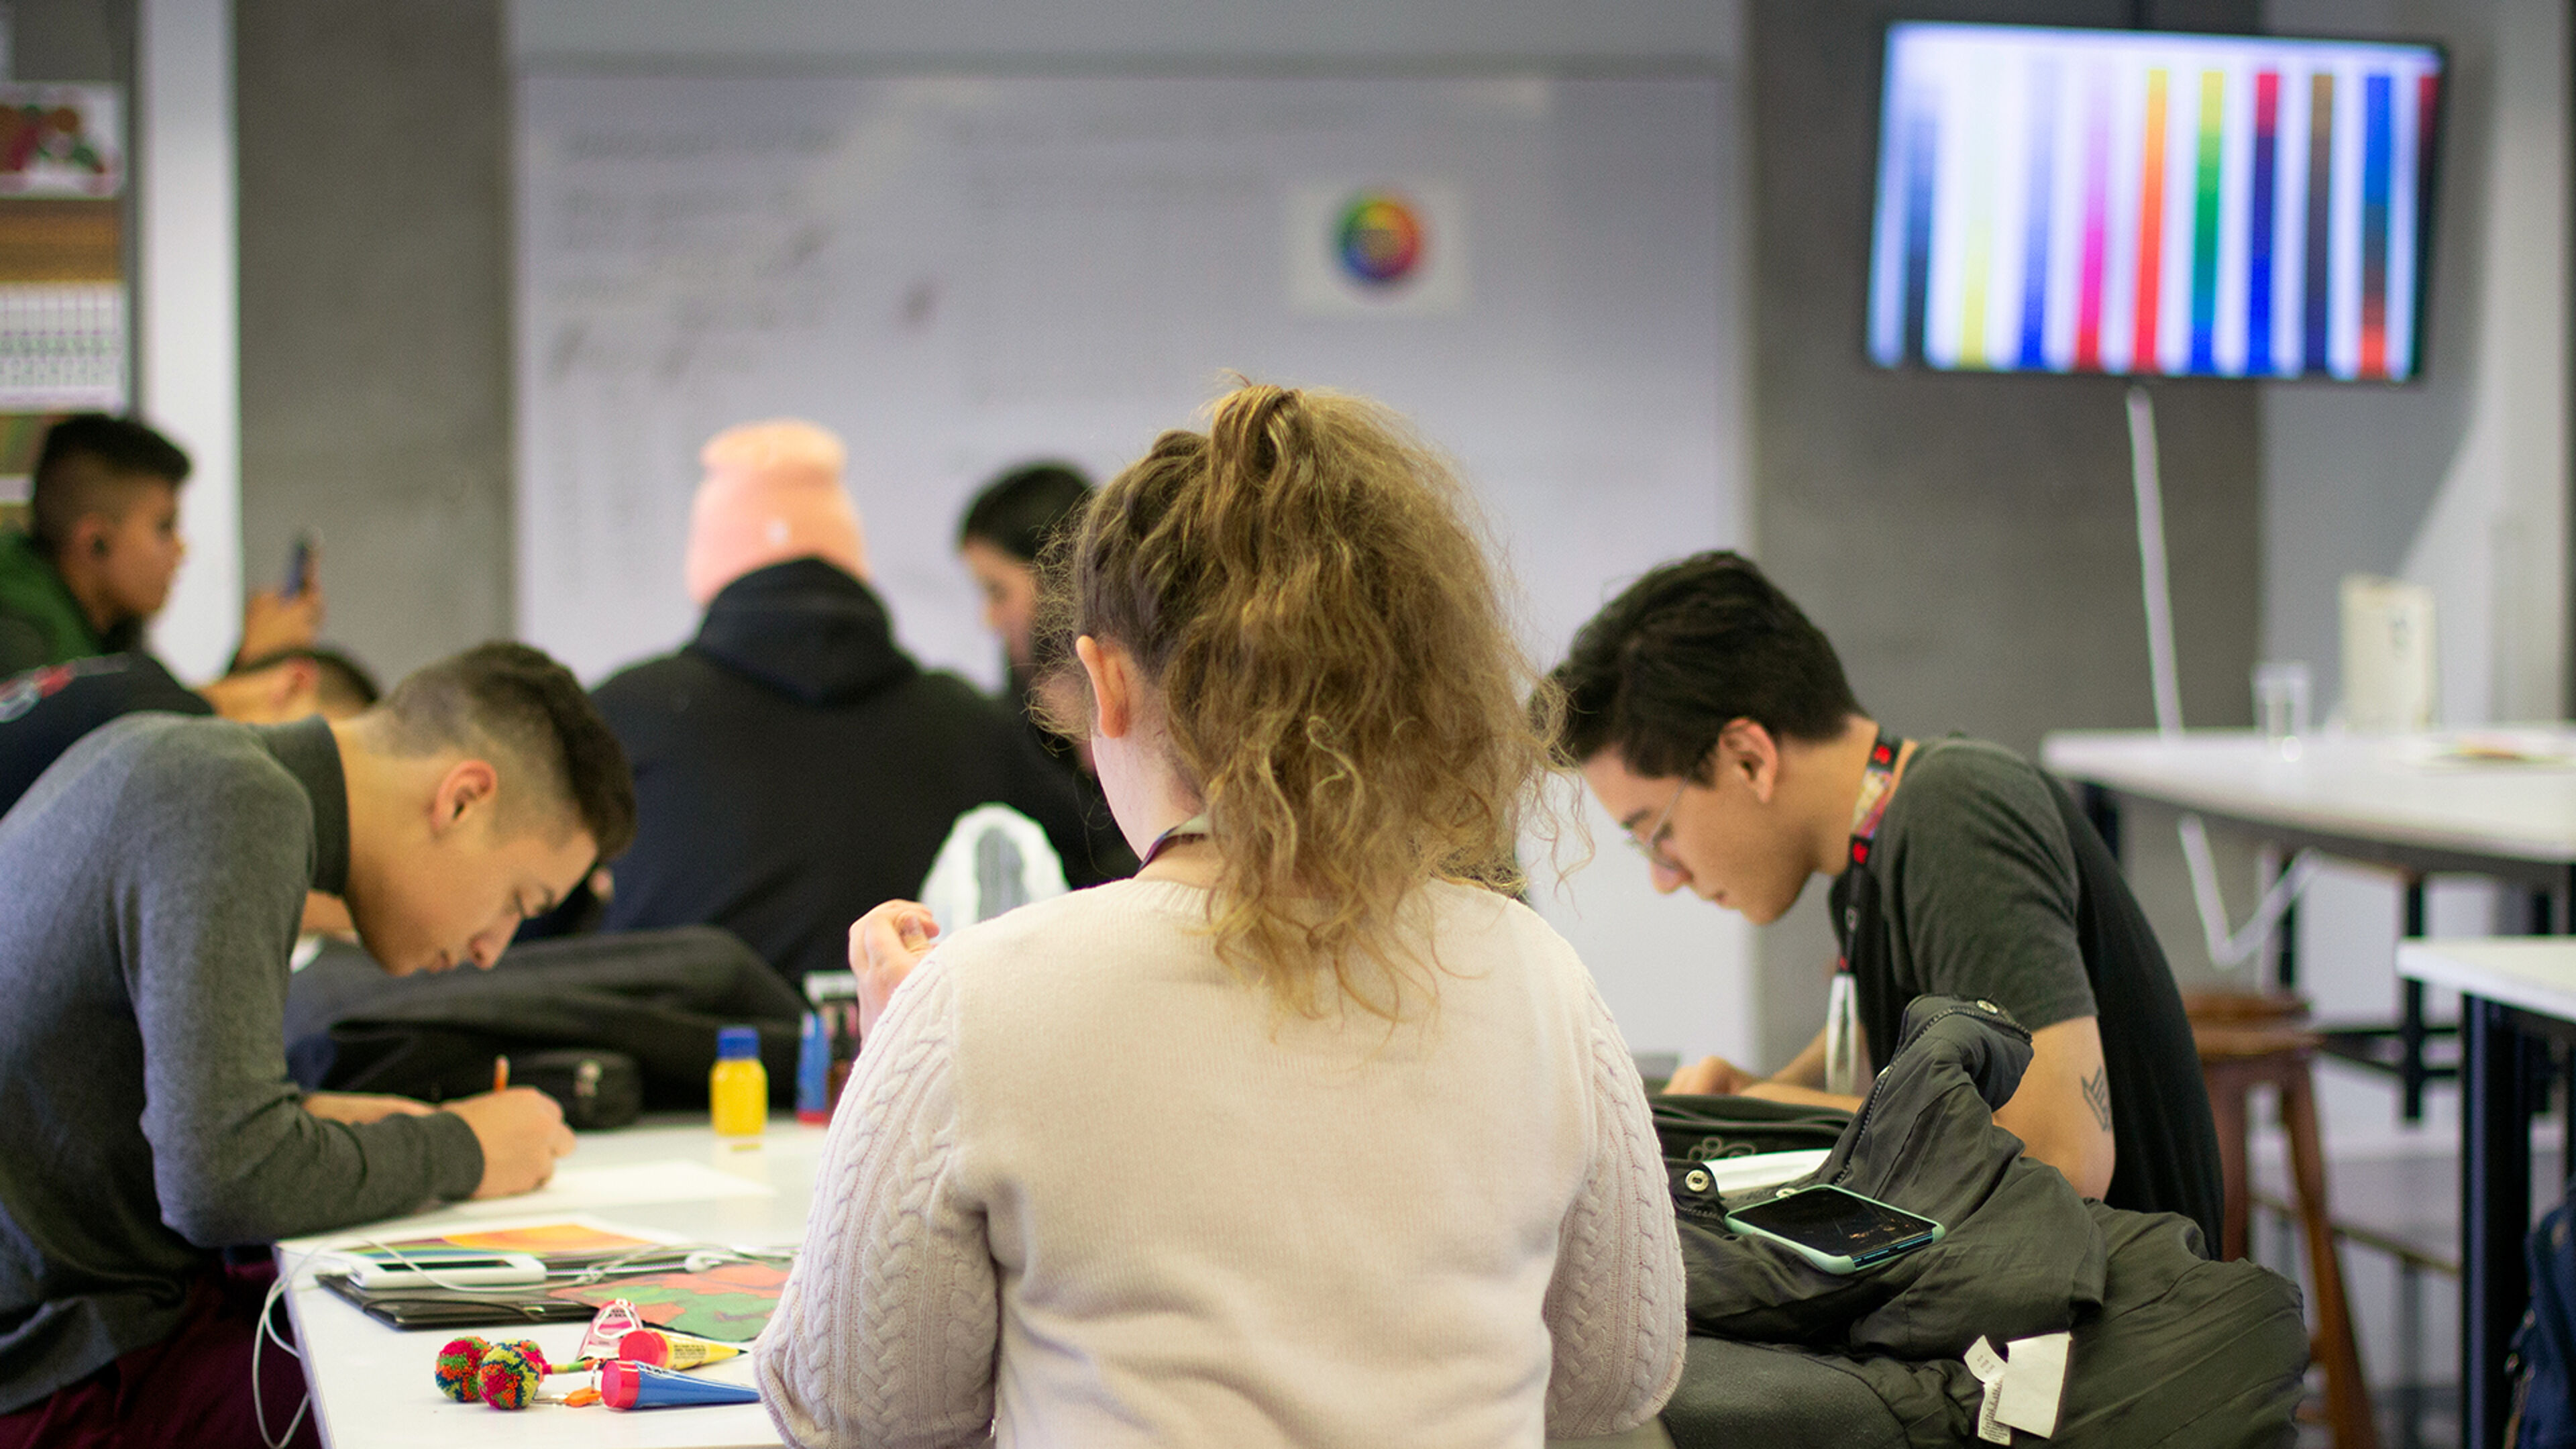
[1337, 675]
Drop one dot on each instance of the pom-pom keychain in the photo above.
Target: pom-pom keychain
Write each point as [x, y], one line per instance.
[459, 1370]
[509, 1378]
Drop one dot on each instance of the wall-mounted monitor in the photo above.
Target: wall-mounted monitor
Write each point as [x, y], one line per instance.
[2113, 201]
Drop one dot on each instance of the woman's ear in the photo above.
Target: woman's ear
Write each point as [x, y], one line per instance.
[1113, 686]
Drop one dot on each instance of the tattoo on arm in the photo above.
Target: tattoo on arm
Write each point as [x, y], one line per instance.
[2097, 1095]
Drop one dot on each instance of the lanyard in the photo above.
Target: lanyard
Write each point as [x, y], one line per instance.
[1842, 1007]
[1877, 786]
[1193, 828]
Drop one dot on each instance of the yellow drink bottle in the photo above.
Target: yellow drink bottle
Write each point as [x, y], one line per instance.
[738, 1089]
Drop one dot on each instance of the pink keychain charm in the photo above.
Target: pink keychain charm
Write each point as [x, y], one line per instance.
[607, 1329]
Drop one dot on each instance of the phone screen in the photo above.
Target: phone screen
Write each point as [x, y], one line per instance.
[438, 1260]
[298, 560]
[1831, 1220]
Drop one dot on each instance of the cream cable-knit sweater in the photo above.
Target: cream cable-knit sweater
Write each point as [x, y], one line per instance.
[1089, 1188]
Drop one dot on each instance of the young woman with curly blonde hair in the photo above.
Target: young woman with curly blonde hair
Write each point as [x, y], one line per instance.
[1306, 1135]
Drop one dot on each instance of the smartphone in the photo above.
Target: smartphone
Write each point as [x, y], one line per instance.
[443, 1268]
[299, 562]
[1835, 1228]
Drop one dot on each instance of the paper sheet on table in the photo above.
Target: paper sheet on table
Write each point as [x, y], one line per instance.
[574, 1188]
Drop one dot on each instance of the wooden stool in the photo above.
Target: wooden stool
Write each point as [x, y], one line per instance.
[2250, 1041]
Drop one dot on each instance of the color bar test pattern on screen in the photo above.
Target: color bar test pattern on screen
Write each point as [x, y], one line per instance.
[2137, 202]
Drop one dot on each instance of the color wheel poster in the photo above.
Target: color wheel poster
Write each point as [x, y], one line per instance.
[2130, 202]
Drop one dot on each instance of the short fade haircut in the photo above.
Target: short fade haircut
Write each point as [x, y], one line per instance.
[514, 702]
[92, 464]
[346, 686]
[1687, 650]
[1024, 508]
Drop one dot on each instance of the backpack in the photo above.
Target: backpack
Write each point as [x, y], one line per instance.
[2542, 1362]
[1711, 1129]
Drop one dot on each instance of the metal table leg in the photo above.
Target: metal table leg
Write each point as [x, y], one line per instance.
[2495, 1209]
[2103, 809]
[2285, 943]
[2410, 1016]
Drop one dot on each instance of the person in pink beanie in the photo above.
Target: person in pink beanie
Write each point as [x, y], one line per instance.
[794, 767]
[772, 493]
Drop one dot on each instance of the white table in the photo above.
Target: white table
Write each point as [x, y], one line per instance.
[2513, 994]
[371, 1385]
[2396, 801]
[2391, 800]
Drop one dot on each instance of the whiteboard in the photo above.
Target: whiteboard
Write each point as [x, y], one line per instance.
[959, 273]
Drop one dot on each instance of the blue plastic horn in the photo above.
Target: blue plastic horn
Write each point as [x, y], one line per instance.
[625, 1385]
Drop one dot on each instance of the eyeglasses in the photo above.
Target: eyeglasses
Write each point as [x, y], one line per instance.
[1651, 843]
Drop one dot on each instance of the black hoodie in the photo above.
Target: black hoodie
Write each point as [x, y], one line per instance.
[794, 768]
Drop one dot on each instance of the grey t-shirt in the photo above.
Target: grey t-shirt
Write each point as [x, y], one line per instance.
[1976, 892]
[1984, 883]
[154, 882]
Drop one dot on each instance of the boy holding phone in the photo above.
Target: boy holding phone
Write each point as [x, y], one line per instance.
[102, 546]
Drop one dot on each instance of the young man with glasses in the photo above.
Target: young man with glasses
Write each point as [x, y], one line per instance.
[1714, 722]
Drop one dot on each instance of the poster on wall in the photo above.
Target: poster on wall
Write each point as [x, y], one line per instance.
[1376, 248]
[62, 140]
[63, 314]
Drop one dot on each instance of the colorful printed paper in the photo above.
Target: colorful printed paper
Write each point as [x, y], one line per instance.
[728, 1303]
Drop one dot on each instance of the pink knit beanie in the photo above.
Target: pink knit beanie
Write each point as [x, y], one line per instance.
[772, 493]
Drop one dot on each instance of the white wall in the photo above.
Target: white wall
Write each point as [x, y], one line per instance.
[1242, 32]
[1675, 972]
[190, 372]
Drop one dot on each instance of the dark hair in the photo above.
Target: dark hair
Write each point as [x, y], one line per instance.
[1687, 650]
[512, 700]
[92, 463]
[345, 685]
[1019, 511]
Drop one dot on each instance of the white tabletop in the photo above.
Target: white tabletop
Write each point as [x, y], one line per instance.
[2536, 974]
[372, 1386]
[2422, 791]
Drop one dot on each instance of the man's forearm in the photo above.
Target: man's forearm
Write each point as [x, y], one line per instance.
[1805, 1070]
[2062, 1111]
[1776, 1090]
[362, 1106]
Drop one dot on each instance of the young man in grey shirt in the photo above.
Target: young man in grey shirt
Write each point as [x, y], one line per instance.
[1714, 722]
[155, 879]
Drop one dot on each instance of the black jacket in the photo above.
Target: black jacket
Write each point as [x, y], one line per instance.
[794, 768]
[2169, 1348]
[47, 710]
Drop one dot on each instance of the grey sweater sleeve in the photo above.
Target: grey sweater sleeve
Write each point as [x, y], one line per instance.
[209, 899]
